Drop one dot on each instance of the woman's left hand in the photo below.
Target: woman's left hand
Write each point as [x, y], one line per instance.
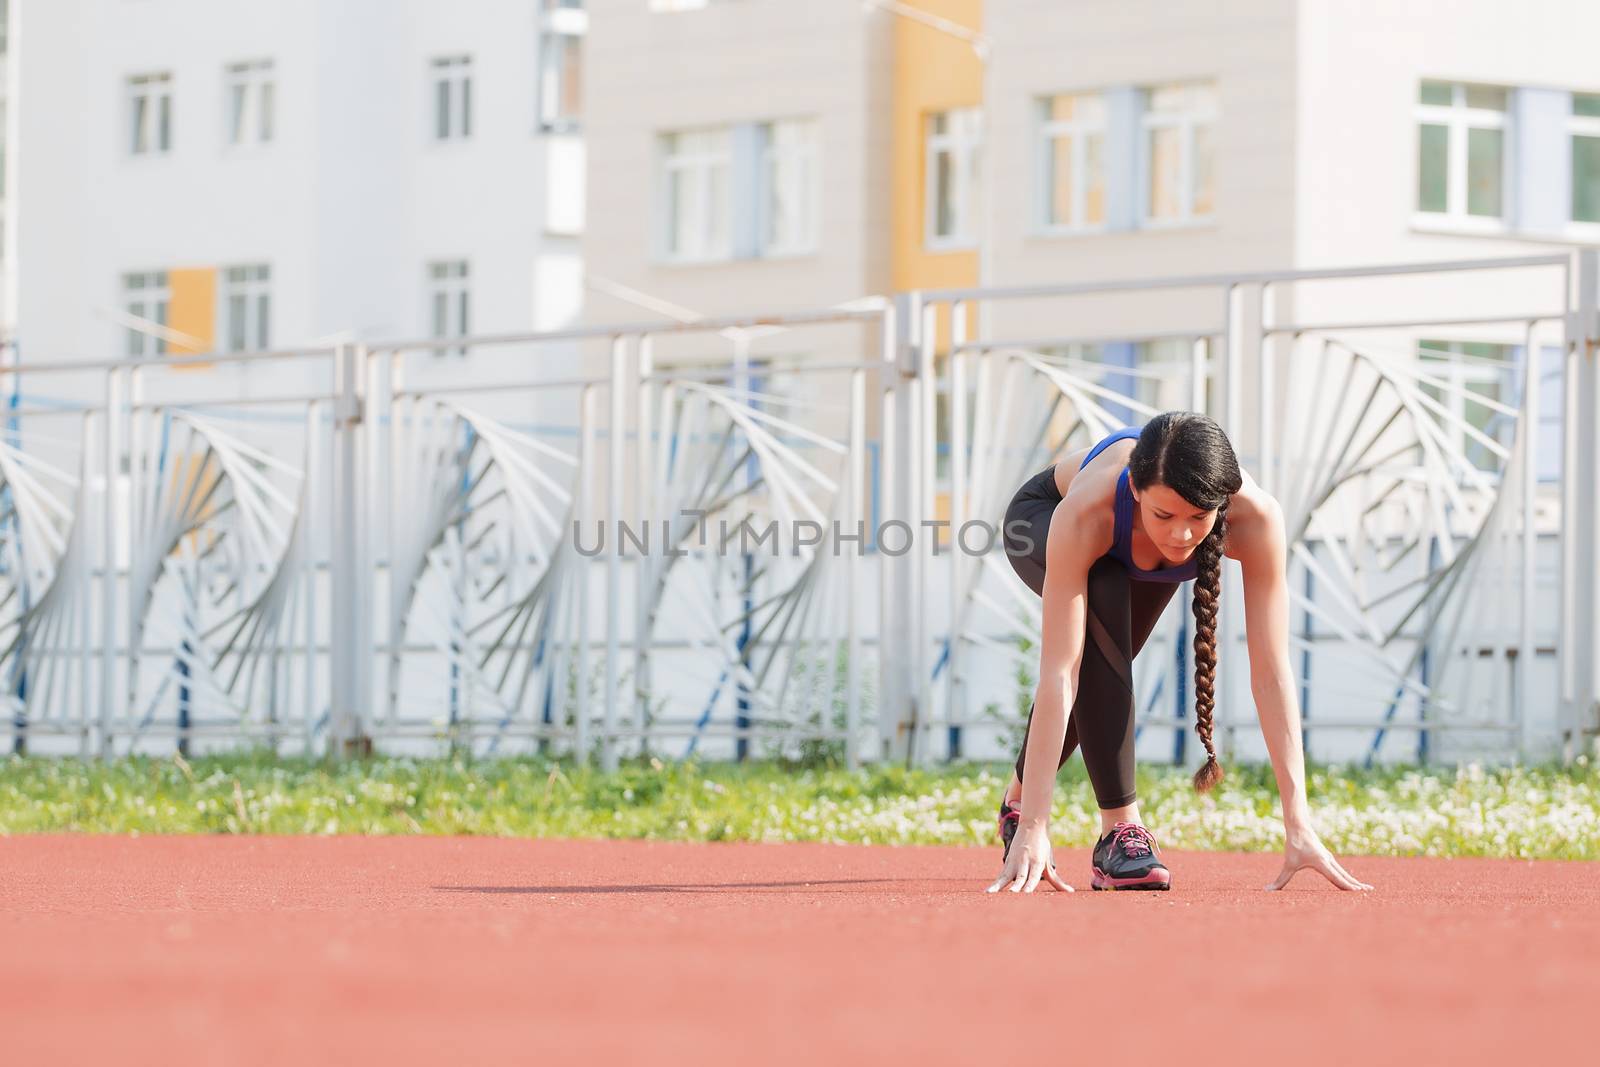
[1301, 849]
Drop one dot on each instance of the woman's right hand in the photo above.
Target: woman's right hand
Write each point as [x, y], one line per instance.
[1028, 861]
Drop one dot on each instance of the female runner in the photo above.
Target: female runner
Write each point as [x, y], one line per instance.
[1105, 537]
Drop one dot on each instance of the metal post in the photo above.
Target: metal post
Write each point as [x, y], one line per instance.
[108, 617]
[643, 494]
[1530, 539]
[1197, 374]
[391, 515]
[348, 661]
[616, 442]
[313, 489]
[1266, 390]
[583, 510]
[896, 712]
[1580, 578]
[852, 570]
[926, 444]
[955, 694]
[1228, 609]
[744, 387]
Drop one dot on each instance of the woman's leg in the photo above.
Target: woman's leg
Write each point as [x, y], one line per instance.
[1122, 614]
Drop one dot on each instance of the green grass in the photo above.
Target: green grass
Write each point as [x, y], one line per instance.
[1527, 812]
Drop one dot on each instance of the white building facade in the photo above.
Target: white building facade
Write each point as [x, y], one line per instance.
[193, 176]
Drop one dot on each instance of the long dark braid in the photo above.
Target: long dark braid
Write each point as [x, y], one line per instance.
[1189, 453]
[1207, 591]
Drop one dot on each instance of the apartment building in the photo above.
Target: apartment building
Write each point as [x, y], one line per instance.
[194, 176]
[758, 154]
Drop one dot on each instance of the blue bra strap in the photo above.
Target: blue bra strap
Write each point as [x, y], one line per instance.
[1120, 435]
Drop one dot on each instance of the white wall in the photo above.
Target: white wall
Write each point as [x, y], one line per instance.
[651, 72]
[348, 203]
[1042, 47]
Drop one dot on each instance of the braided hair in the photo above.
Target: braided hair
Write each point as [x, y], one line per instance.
[1189, 454]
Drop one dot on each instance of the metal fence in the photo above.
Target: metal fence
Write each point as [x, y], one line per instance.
[757, 534]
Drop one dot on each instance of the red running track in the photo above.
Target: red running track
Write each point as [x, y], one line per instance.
[391, 951]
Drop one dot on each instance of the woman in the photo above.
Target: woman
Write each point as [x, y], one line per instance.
[1105, 538]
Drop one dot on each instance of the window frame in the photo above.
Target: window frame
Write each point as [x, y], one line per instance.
[1047, 131]
[447, 279]
[1185, 122]
[1581, 126]
[1458, 120]
[157, 283]
[454, 73]
[702, 162]
[154, 87]
[965, 146]
[807, 156]
[251, 284]
[558, 28]
[256, 80]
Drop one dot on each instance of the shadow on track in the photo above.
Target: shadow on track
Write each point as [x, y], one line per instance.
[706, 887]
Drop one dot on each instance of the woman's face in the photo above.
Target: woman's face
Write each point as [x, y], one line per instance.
[1175, 526]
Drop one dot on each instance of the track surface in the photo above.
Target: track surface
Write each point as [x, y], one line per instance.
[394, 951]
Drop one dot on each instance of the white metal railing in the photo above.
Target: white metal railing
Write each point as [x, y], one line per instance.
[386, 543]
[1402, 423]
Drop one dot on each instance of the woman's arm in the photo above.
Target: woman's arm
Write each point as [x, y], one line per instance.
[1066, 610]
[1066, 606]
[1263, 557]
[1261, 546]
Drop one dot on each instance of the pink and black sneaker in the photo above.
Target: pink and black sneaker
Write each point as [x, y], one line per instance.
[1010, 816]
[1127, 858]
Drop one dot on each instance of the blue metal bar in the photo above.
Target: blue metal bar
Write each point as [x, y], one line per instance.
[1180, 702]
[705, 716]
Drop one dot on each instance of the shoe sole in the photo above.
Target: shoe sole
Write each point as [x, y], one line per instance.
[1158, 879]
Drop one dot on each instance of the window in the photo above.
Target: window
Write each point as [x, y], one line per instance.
[1178, 153]
[562, 26]
[150, 114]
[452, 98]
[1072, 132]
[1461, 154]
[560, 81]
[247, 307]
[1466, 370]
[1585, 127]
[696, 169]
[145, 296]
[788, 187]
[952, 182]
[448, 307]
[249, 111]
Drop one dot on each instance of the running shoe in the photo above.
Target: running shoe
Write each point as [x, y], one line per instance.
[1010, 816]
[1127, 858]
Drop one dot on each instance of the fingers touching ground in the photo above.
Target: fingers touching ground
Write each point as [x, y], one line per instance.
[1346, 880]
[1329, 868]
[1055, 879]
[1024, 877]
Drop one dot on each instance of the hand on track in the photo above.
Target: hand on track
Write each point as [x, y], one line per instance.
[1302, 849]
[1028, 862]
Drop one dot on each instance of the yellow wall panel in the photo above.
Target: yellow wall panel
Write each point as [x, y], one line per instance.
[193, 308]
[933, 71]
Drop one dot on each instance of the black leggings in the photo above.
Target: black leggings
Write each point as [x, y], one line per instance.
[1122, 612]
